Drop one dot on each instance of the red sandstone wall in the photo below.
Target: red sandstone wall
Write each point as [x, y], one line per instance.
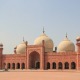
[13, 58]
[79, 61]
[60, 57]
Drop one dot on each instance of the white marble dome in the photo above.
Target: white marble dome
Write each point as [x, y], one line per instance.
[47, 42]
[66, 45]
[21, 48]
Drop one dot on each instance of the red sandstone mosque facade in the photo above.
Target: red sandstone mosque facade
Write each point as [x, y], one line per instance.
[41, 55]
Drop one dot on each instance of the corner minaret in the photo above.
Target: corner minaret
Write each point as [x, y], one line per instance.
[1, 52]
[78, 44]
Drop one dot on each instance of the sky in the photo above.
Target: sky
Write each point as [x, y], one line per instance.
[26, 18]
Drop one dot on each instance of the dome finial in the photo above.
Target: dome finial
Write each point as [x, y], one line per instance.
[43, 30]
[23, 39]
[66, 34]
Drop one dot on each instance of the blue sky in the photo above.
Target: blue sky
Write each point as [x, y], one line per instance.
[26, 18]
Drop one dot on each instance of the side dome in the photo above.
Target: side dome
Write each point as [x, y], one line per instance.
[21, 48]
[66, 46]
[78, 38]
[47, 42]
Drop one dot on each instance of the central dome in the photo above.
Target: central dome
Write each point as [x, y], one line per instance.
[66, 45]
[47, 42]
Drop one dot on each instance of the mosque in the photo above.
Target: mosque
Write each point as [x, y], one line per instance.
[40, 55]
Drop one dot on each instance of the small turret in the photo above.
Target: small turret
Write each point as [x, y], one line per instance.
[1, 48]
[78, 44]
[1, 51]
[15, 49]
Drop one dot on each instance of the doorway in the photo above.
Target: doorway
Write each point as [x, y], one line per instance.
[37, 65]
[34, 60]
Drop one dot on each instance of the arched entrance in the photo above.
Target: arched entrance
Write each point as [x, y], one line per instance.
[13, 65]
[18, 66]
[66, 65]
[34, 60]
[73, 65]
[60, 66]
[53, 65]
[8, 66]
[48, 65]
[23, 65]
[37, 65]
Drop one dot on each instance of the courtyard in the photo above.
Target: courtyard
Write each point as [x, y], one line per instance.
[40, 75]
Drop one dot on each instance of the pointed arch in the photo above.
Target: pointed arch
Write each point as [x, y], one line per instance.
[13, 65]
[18, 66]
[23, 66]
[34, 60]
[66, 65]
[48, 65]
[60, 66]
[53, 65]
[73, 65]
[8, 65]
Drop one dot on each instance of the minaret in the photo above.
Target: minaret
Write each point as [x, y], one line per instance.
[1, 52]
[78, 44]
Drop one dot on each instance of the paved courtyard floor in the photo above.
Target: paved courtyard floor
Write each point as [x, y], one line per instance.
[40, 75]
